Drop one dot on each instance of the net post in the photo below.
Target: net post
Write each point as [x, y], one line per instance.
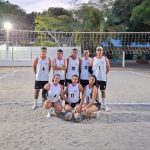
[123, 59]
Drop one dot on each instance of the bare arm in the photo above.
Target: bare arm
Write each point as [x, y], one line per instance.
[67, 62]
[49, 64]
[47, 86]
[81, 90]
[80, 61]
[34, 65]
[62, 94]
[83, 97]
[55, 67]
[107, 66]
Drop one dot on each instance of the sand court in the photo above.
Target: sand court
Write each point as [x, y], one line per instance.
[127, 126]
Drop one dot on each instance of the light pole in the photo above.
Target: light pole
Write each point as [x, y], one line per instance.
[7, 27]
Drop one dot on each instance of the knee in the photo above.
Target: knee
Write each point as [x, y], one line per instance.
[68, 108]
[47, 104]
[58, 109]
[88, 111]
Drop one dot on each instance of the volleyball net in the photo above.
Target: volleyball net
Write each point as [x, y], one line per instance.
[20, 44]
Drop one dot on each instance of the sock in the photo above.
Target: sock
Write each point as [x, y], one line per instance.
[103, 102]
[35, 102]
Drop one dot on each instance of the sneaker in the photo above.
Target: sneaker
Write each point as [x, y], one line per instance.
[34, 107]
[48, 115]
[107, 109]
[97, 115]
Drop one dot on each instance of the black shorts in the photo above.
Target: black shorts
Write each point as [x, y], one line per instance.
[84, 82]
[101, 85]
[98, 105]
[62, 82]
[39, 84]
[68, 81]
[73, 104]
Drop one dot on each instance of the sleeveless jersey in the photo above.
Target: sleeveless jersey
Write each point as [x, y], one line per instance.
[84, 69]
[73, 68]
[42, 69]
[54, 92]
[99, 68]
[73, 93]
[60, 63]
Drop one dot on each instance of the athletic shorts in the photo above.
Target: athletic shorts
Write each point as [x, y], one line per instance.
[73, 104]
[84, 82]
[62, 82]
[98, 105]
[39, 84]
[101, 85]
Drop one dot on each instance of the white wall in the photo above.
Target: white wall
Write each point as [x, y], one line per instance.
[23, 56]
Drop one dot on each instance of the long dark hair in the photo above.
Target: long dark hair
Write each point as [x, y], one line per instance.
[95, 84]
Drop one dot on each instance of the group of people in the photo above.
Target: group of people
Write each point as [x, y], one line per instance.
[79, 83]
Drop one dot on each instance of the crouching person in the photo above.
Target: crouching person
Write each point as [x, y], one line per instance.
[54, 95]
[73, 103]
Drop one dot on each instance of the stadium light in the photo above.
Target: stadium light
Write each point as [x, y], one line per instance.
[7, 27]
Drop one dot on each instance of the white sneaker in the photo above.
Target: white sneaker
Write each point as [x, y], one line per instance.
[97, 115]
[107, 109]
[48, 114]
[34, 107]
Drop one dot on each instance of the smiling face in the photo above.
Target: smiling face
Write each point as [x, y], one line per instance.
[74, 79]
[56, 79]
[91, 80]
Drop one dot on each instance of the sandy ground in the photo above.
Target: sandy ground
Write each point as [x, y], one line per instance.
[127, 127]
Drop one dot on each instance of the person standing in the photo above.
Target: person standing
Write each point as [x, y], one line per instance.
[101, 67]
[73, 66]
[59, 66]
[41, 67]
[85, 63]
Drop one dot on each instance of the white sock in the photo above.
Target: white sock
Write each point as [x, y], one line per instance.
[103, 102]
[49, 113]
[35, 102]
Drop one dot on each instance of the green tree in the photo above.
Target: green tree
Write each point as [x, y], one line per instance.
[89, 19]
[140, 17]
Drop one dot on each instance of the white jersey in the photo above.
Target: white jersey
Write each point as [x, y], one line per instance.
[54, 92]
[84, 69]
[60, 63]
[88, 94]
[42, 69]
[73, 68]
[99, 68]
[73, 93]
